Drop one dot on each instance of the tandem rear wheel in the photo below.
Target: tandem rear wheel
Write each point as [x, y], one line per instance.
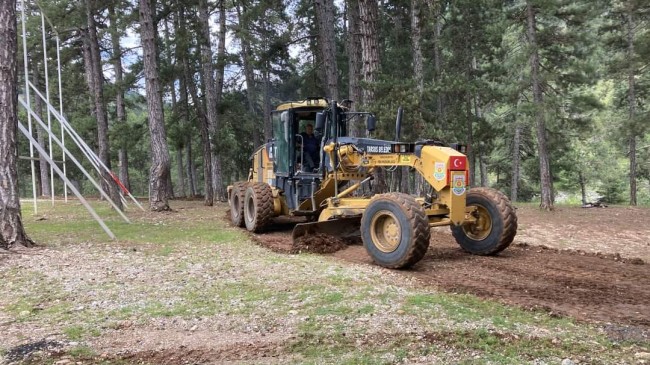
[258, 206]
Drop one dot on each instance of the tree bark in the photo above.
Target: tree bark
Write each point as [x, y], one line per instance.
[416, 39]
[123, 157]
[471, 155]
[160, 165]
[437, 56]
[327, 46]
[353, 45]
[249, 74]
[583, 187]
[516, 146]
[267, 102]
[108, 184]
[12, 233]
[210, 99]
[483, 167]
[191, 180]
[44, 167]
[369, 16]
[181, 60]
[631, 98]
[546, 185]
[191, 89]
[221, 53]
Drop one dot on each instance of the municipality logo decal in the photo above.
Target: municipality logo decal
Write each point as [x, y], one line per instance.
[458, 184]
[439, 171]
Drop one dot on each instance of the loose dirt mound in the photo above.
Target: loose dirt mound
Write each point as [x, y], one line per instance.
[318, 243]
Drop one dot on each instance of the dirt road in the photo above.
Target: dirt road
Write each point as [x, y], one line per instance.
[600, 286]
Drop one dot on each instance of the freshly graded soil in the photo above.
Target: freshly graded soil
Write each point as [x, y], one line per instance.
[536, 271]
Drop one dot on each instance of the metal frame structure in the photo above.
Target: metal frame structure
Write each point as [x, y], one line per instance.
[65, 128]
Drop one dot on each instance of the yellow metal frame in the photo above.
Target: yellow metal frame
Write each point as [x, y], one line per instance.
[433, 164]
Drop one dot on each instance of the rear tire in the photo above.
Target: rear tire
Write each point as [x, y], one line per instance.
[237, 203]
[496, 224]
[395, 230]
[258, 206]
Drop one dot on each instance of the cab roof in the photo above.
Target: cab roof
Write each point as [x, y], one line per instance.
[307, 103]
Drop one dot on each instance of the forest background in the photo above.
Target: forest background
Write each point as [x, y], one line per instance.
[549, 95]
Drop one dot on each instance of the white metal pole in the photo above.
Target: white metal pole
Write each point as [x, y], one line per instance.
[73, 159]
[65, 179]
[47, 96]
[58, 67]
[27, 97]
[88, 152]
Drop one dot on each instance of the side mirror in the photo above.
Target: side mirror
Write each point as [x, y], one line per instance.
[320, 122]
[371, 123]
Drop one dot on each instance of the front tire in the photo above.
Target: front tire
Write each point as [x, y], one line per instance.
[258, 206]
[395, 230]
[495, 227]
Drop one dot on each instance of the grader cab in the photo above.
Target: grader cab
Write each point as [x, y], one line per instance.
[324, 188]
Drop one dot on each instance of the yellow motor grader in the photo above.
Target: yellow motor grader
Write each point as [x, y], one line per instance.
[394, 227]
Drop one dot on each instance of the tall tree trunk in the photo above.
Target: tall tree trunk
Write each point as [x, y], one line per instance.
[210, 99]
[583, 187]
[108, 184]
[44, 167]
[123, 157]
[546, 184]
[631, 99]
[478, 114]
[183, 70]
[369, 17]
[416, 39]
[327, 46]
[12, 232]
[249, 75]
[191, 89]
[174, 100]
[205, 141]
[191, 180]
[353, 45]
[221, 52]
[516, 147]
[180, 170]
[483, 166]
[160, 165]
[267, 102]
[471, 155]
[220, 79]
[436, 7]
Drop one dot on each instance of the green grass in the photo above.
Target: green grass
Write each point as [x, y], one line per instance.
[336, 313]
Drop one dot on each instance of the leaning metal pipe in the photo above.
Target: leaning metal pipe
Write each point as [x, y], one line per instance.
[99, 188]
[65, 179]
[92, 157]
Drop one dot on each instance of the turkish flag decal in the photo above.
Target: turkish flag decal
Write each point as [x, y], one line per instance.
[458, 163]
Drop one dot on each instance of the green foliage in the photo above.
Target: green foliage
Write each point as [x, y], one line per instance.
[477, 93]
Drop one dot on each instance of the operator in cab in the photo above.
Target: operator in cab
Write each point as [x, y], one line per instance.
[311, 147]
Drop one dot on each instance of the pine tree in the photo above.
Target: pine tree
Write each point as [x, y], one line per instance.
[12, 233]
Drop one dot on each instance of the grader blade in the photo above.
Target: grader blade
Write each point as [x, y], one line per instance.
[340, 227]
